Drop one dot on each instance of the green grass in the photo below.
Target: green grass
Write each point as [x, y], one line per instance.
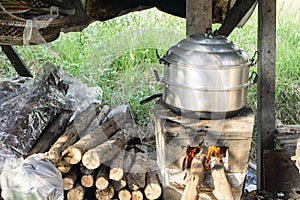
[119, 56]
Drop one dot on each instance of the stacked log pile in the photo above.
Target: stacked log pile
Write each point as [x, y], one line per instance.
[95, 158]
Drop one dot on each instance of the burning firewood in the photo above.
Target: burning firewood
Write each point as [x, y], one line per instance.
[124, 194]
[136, 177]
[72, 133]
[93, 158]
[106, 194]
[74, 153]
[102, 180]
[76, 193]
[195, 178]
[222, 188]
[69, 178]
[153, 189]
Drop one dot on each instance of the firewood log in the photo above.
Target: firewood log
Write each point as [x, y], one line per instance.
[99, 118]
[72, 133]
[137, 195]
[76, 193]
[93, 158]
[63, 166]
[73, 154]
[85, 170]
[106, 194]
[153, 188]
[116, 166]
[87, 180]
[51, 133]
[118, 185]
[102, 180]
[222, 188]
[69, 178]
[128, 160]
[124, 194]
[136, 178]
[195, 179]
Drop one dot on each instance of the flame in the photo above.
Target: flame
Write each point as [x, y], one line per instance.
[191, 152]
[212, 151]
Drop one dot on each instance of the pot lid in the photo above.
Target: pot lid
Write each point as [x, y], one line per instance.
[206, 51]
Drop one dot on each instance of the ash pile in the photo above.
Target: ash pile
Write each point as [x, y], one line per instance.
[59, 142]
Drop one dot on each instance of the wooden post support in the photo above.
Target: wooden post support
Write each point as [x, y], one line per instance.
[235, 15]
[198, 16]
[266, 82]
[16, 61]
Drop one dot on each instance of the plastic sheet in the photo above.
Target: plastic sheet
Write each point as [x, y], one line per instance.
[24, 116]
[33, 178]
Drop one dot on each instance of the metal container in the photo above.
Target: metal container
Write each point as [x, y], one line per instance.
[206, 75]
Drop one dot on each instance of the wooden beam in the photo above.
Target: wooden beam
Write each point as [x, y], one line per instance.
[16, 61]
[266, 82]
[235, 15]
[198, 16]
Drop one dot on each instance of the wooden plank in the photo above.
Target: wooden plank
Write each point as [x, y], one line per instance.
[16, 61]
[266, 82]
[290, 129]
[198, 16]
[234, 16]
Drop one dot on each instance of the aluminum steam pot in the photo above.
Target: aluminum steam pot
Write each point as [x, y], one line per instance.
[206, 74]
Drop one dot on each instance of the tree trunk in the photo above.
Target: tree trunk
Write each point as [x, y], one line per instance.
[153, 189]
[102, 180]
[69, 178]
[72, 133]
[74, 153]
[136, 178]
[106, 194]
[93, 158]
[116, 167]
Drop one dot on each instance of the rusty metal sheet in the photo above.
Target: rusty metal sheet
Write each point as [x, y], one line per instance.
[280, 173]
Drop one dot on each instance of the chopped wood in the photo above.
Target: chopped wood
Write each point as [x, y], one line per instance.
[118, 185]
[74, 153]
[85, 170]
[51, 133]
[87, 180]
[153, 188]
[63, 166]
[69, 178]
[136, 178]
[222, 188]
[137, 195]
[93, 158]
[76, 193]
[116, 166]
[106, 194]
[72, 133]
[102, 180]
[195, 179]
[124, 194]
[99, 118]
[128, 160]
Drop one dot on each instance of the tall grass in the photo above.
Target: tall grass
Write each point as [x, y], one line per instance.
[119, 56]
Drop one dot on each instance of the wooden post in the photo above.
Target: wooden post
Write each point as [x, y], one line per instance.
[266, 82]
[198, 16]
